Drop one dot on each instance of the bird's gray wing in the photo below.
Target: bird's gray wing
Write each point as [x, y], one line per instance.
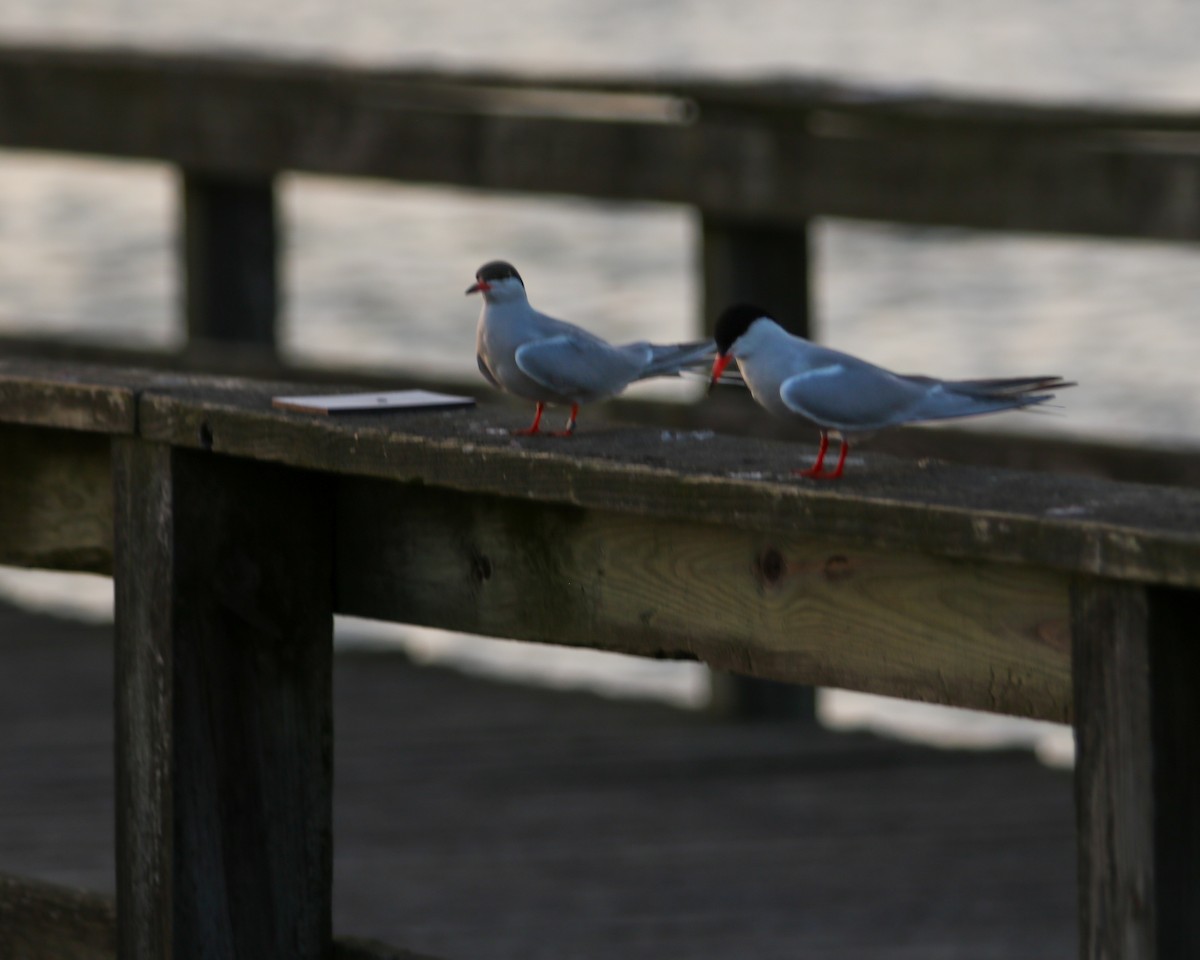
[855, 395]
[579, 368]
[850, 394]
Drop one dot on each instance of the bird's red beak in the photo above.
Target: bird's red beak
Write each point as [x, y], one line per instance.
[719, 365]
[479, 286]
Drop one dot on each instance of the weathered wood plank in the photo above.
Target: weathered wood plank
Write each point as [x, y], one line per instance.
[1113, 771]
[224, 640]
[781, 605]
[55, 499]
[1172, 466]
[1070, 524]
[230, 258]
[1136, 670]
[69, 395]
[779, 153]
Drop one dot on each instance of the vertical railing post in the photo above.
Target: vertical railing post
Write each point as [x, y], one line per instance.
[223, 573]
[769, 266]
[230, 254]
[1136, 673]
[759, 263]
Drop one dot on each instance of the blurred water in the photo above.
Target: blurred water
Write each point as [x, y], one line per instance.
[375, 273]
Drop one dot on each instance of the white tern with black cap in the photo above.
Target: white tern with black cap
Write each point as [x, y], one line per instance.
[527, 353]
[842, 395]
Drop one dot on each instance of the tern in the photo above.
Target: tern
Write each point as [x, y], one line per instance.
[527, 353]
[843, 395]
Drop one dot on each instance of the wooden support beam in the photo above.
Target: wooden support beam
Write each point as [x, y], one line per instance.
[230, 258]
[55, 500]
[1136, 672]
[784, 605]
[223, 707]
[765, 264]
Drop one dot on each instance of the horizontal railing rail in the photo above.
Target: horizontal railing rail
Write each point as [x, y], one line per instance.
[774, 151]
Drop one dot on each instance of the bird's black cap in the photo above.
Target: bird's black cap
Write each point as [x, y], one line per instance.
[733, 322]
[497, 270]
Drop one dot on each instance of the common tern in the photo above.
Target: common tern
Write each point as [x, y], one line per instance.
[843, 395]
[525, 352]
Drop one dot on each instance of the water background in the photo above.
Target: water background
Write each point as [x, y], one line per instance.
[375, 272]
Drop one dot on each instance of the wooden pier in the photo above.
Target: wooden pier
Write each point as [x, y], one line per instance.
[234, 531]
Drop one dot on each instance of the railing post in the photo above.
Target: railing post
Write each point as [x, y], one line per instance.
[769, 266]
[230, 243]
[1136, 673]
[223, 706]
[759, 263]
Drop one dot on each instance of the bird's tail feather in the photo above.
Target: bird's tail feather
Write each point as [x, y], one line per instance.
[1008, 386]
[668, 359]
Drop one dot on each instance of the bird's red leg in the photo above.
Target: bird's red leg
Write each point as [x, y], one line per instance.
[815, 469]
[837, 471]
[532, 429]
[569, 429]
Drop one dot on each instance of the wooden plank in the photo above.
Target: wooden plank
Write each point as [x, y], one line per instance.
[1172, 466]
[1113, 771]
[781, 605]
[73, 396]
[230, 258]
[1069, 524]
[1136, 668]
[224, 639]
[778, 153]
[55, 500]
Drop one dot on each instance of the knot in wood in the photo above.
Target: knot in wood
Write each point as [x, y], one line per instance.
[770, 566]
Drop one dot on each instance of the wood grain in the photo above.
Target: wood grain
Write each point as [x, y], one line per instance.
[1114, 795]
[783, 605]
[55, 500]
[1136, 670]
[224, 639]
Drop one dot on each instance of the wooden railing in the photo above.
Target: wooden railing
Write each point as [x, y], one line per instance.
[235, 531]
[757, 159]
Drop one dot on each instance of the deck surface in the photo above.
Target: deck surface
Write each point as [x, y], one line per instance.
[477, 821]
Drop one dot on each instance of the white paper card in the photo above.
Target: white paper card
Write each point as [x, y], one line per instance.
[359, 402]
